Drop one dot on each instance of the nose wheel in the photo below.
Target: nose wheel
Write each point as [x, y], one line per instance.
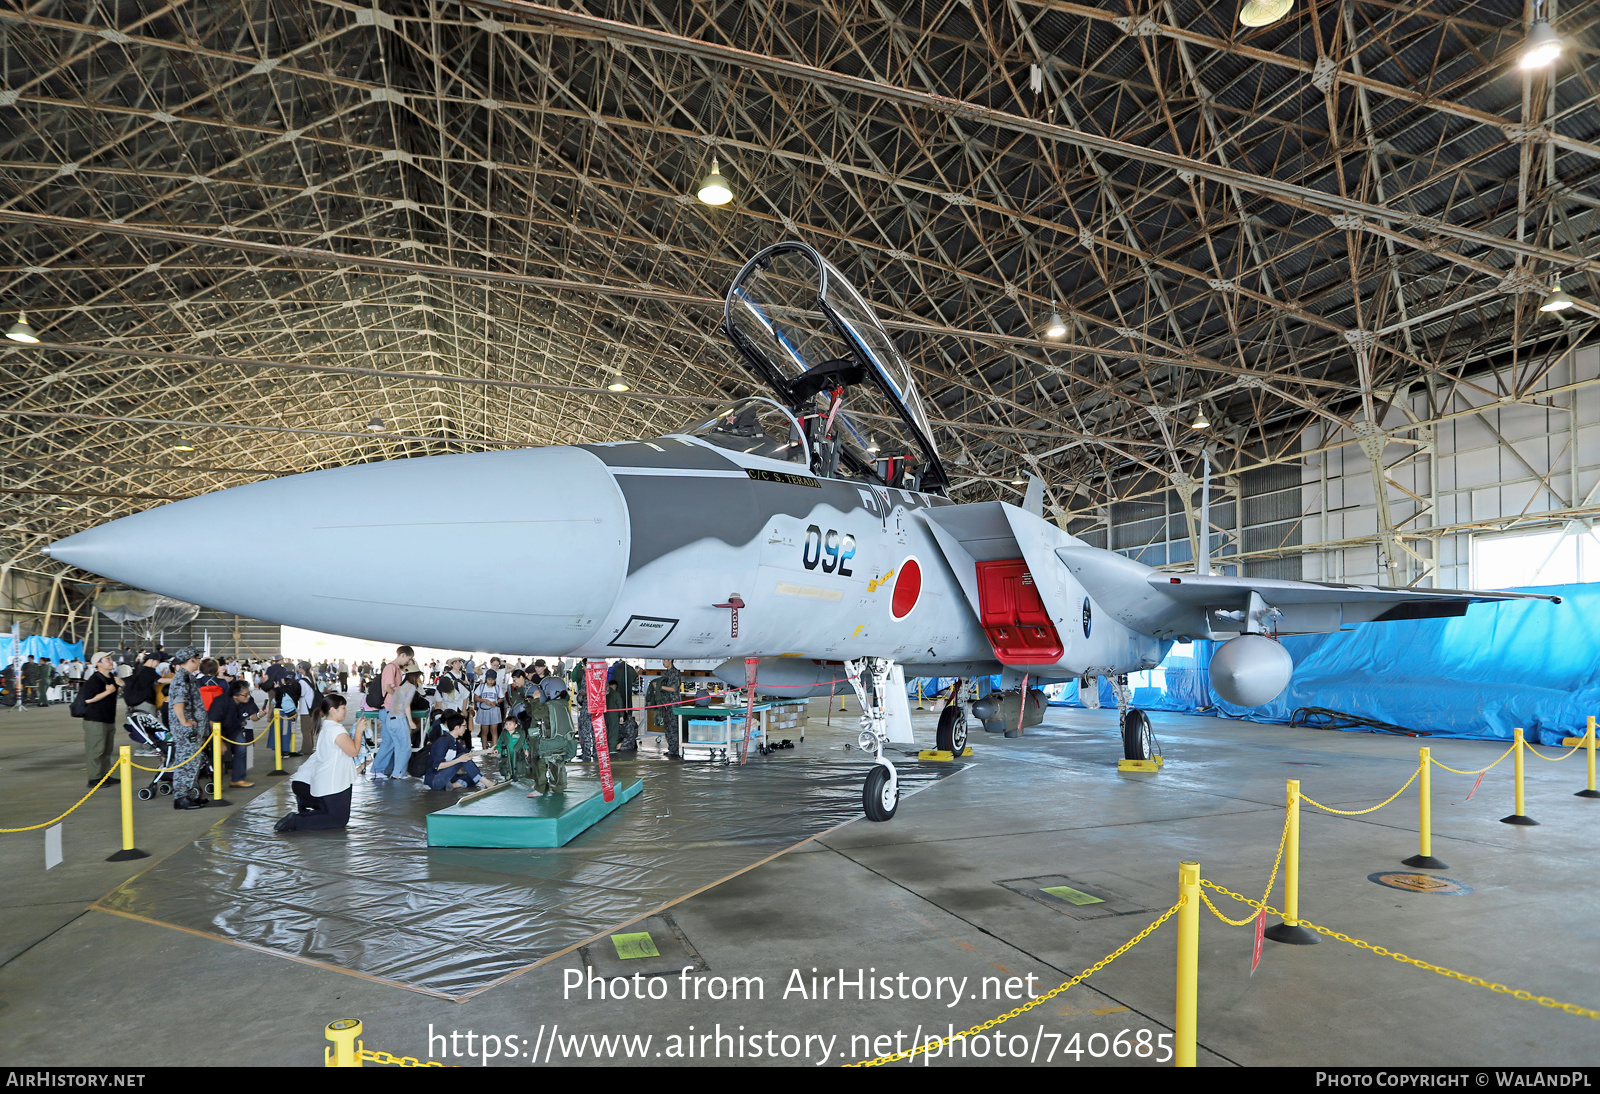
[881, 796]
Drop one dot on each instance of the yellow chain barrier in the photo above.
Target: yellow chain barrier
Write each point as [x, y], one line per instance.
[1474, 981]
[1552, 759]
[991, 1023]
[1271, 879]
[201, 747]
[378, 1056]
[80, 801]
[1480, 770]
[1374, 809]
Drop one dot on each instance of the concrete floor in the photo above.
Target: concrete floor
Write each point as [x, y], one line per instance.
[917, 895]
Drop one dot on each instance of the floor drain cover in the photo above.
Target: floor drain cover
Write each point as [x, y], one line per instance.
[1421, 883]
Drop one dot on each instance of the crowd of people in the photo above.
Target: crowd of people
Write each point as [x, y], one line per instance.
[426, 716]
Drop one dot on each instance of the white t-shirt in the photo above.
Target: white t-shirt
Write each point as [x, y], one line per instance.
[329, 771]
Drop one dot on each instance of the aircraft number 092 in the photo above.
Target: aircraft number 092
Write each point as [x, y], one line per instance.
[832, 549]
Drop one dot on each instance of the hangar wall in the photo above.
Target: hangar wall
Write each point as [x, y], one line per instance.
[1492, 469]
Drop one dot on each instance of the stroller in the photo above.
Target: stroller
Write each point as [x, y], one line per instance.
[147, 730]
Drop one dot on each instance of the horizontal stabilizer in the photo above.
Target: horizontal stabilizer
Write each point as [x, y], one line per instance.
[1205, 606]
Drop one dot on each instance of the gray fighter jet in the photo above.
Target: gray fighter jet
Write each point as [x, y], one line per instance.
[809, 530]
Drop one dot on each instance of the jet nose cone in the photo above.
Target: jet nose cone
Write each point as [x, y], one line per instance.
[519, 551]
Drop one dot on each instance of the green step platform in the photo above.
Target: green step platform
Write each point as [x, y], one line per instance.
[508, 818]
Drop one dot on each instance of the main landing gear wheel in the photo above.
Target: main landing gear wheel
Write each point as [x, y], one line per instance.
[1138, 740]
[952, 730]
[881, 796]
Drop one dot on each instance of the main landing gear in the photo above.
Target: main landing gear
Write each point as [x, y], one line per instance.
[880, 797]
[952, 735]
[1138, 739]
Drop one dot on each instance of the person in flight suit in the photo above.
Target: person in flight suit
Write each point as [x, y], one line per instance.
[664, 689]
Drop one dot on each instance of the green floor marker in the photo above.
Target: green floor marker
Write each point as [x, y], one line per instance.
[638, 945]
[1067, 893]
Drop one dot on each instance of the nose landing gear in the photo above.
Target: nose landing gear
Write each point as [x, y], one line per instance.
[880, 797]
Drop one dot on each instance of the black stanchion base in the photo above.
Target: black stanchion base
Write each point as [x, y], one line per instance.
[1294, 936]
[220, 801]
[1518, 818]
[1426, 862]
[280, 771]
[128, 855]
[1587, 794]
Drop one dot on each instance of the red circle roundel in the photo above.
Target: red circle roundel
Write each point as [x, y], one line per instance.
[907, 588]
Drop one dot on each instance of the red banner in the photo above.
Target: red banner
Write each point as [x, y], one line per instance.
[594, 677]
[1261, 932]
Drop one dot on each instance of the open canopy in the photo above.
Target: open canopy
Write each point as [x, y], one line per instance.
[816, 343]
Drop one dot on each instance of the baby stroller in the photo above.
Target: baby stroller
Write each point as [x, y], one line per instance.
[148, 731]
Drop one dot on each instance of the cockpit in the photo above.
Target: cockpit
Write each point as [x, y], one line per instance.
[845, 402]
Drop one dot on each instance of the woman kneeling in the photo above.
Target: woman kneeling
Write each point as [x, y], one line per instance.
[322, 784]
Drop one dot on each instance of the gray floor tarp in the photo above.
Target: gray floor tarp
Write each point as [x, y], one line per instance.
[374, 900]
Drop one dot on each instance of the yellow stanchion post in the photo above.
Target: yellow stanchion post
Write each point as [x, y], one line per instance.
[919, 694]
[1424, 856]
[1519, 817]
[216, 765]
[125, 774]
[277, 745]
[1188, 964]
[1588, 741]
[841, 704]
[344, 1052]
[1290, 931]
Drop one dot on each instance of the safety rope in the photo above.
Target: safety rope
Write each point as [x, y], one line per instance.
[1552, 759]
[991, 1023]
[1480, 770]
[75, 805]
[1374, 809]
[1283, 841]
[1474, 981]
[378, 1056]
[199, 748]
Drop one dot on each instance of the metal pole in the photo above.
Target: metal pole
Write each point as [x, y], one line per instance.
[1289, 930]
[1203, 563]
[1589, 741]
[125, 773]
[216, 765]
[1188, 964]
[346, 1049]
[1424, 856]
[1519, 817]
[277, 742]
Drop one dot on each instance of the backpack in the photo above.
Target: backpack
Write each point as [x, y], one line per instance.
[80, 702]
[291, 689]
[374, 694]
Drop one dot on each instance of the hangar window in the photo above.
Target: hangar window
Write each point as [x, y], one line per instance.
[1559, 556]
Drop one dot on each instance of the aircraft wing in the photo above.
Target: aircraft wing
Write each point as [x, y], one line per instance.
[1200, 606]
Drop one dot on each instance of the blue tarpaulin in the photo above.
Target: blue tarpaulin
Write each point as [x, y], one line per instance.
[1526, 663]
[53, 648]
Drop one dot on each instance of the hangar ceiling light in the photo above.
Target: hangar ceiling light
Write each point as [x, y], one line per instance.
[1260, 13]
[376, 425]
[1541, 47]
[20, 331]
[714, 189]
[1055, 328]
[1557, 300]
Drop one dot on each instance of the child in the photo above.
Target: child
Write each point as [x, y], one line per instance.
[449, 762]
[487, 704]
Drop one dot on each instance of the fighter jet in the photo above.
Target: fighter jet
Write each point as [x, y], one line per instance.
[797, 534]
